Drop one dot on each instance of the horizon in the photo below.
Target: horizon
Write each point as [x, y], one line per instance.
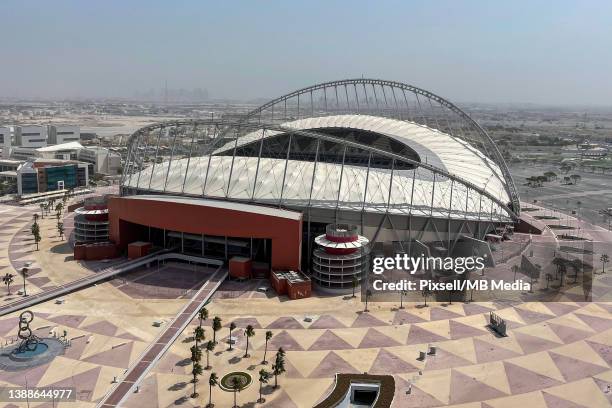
[471, 53]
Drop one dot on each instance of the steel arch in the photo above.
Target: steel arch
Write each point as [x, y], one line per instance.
[490, 144]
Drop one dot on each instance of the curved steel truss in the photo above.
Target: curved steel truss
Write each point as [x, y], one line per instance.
[163, 157]
[389, 99]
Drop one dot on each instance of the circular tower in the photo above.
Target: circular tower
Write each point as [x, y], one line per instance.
[341, 258]
[91, 220]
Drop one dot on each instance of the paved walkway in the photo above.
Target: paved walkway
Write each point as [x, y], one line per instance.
[149, 358]
[60, 290]
[103, 275]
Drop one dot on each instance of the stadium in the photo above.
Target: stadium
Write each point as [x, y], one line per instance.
[407, 168]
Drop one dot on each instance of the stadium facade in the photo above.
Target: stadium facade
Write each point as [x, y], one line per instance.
[407, 167]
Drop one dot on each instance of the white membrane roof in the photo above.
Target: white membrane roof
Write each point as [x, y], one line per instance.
[410, 191]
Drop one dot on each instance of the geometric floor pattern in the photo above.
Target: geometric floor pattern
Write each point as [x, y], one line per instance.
[99, 351]
[556, 354]
[108, 331]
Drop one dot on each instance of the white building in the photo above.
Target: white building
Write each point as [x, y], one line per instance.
[27, 179]
[5, 141]
[33, 136]
[103, 160]
[23, 153]
[59, 134]
[63, 151]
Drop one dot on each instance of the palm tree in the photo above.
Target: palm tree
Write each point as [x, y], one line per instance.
[232, 326]
[210, 346]
[198, 335]
[558, 262]
[264, 376]
[60, 230]
[368, 293]
[202, 314]
[604, 260]
[196, 354]
[515, 269]
[402, 294]
[268, 337]
[550, 175]
[36, 233]
[24, 273]
[562, 272]
[216, 326]
[213, 380]
[549, 279]
[354, 283]
[575, 178]
[425, 293]
[248, 332]
[195, 371]
[58, 208]
[279, 365]
[8, 279]
[235, 383]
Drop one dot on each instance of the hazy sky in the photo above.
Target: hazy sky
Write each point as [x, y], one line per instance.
[468, 51]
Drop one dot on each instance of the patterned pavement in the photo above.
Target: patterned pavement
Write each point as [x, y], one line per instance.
[108, 329]
[556, 354]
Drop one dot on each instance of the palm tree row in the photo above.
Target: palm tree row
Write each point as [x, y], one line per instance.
[196, 355]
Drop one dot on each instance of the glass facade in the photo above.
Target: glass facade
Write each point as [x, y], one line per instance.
[29, 183]
[67, 174]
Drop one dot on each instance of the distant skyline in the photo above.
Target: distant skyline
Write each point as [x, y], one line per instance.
[540, 52]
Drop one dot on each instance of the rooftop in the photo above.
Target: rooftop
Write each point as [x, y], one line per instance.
[227, 205]
[61, 146]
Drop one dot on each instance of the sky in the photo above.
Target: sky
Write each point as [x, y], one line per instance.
[544, 52]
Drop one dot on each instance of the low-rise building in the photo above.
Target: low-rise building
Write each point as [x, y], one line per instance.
[33, 136]
[27, 179]
[64, 151]
[59, 134]
[6, 141]
[23, 153]
[43, 175]
[104, 161]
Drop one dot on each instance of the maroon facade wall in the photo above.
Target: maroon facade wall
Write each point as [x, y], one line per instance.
[95, 251]
[285, 233]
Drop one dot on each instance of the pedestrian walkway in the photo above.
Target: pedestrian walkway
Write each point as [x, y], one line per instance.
[151, 355]
[105, 274]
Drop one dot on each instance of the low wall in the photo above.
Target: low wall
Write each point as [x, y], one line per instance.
[95, 252]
